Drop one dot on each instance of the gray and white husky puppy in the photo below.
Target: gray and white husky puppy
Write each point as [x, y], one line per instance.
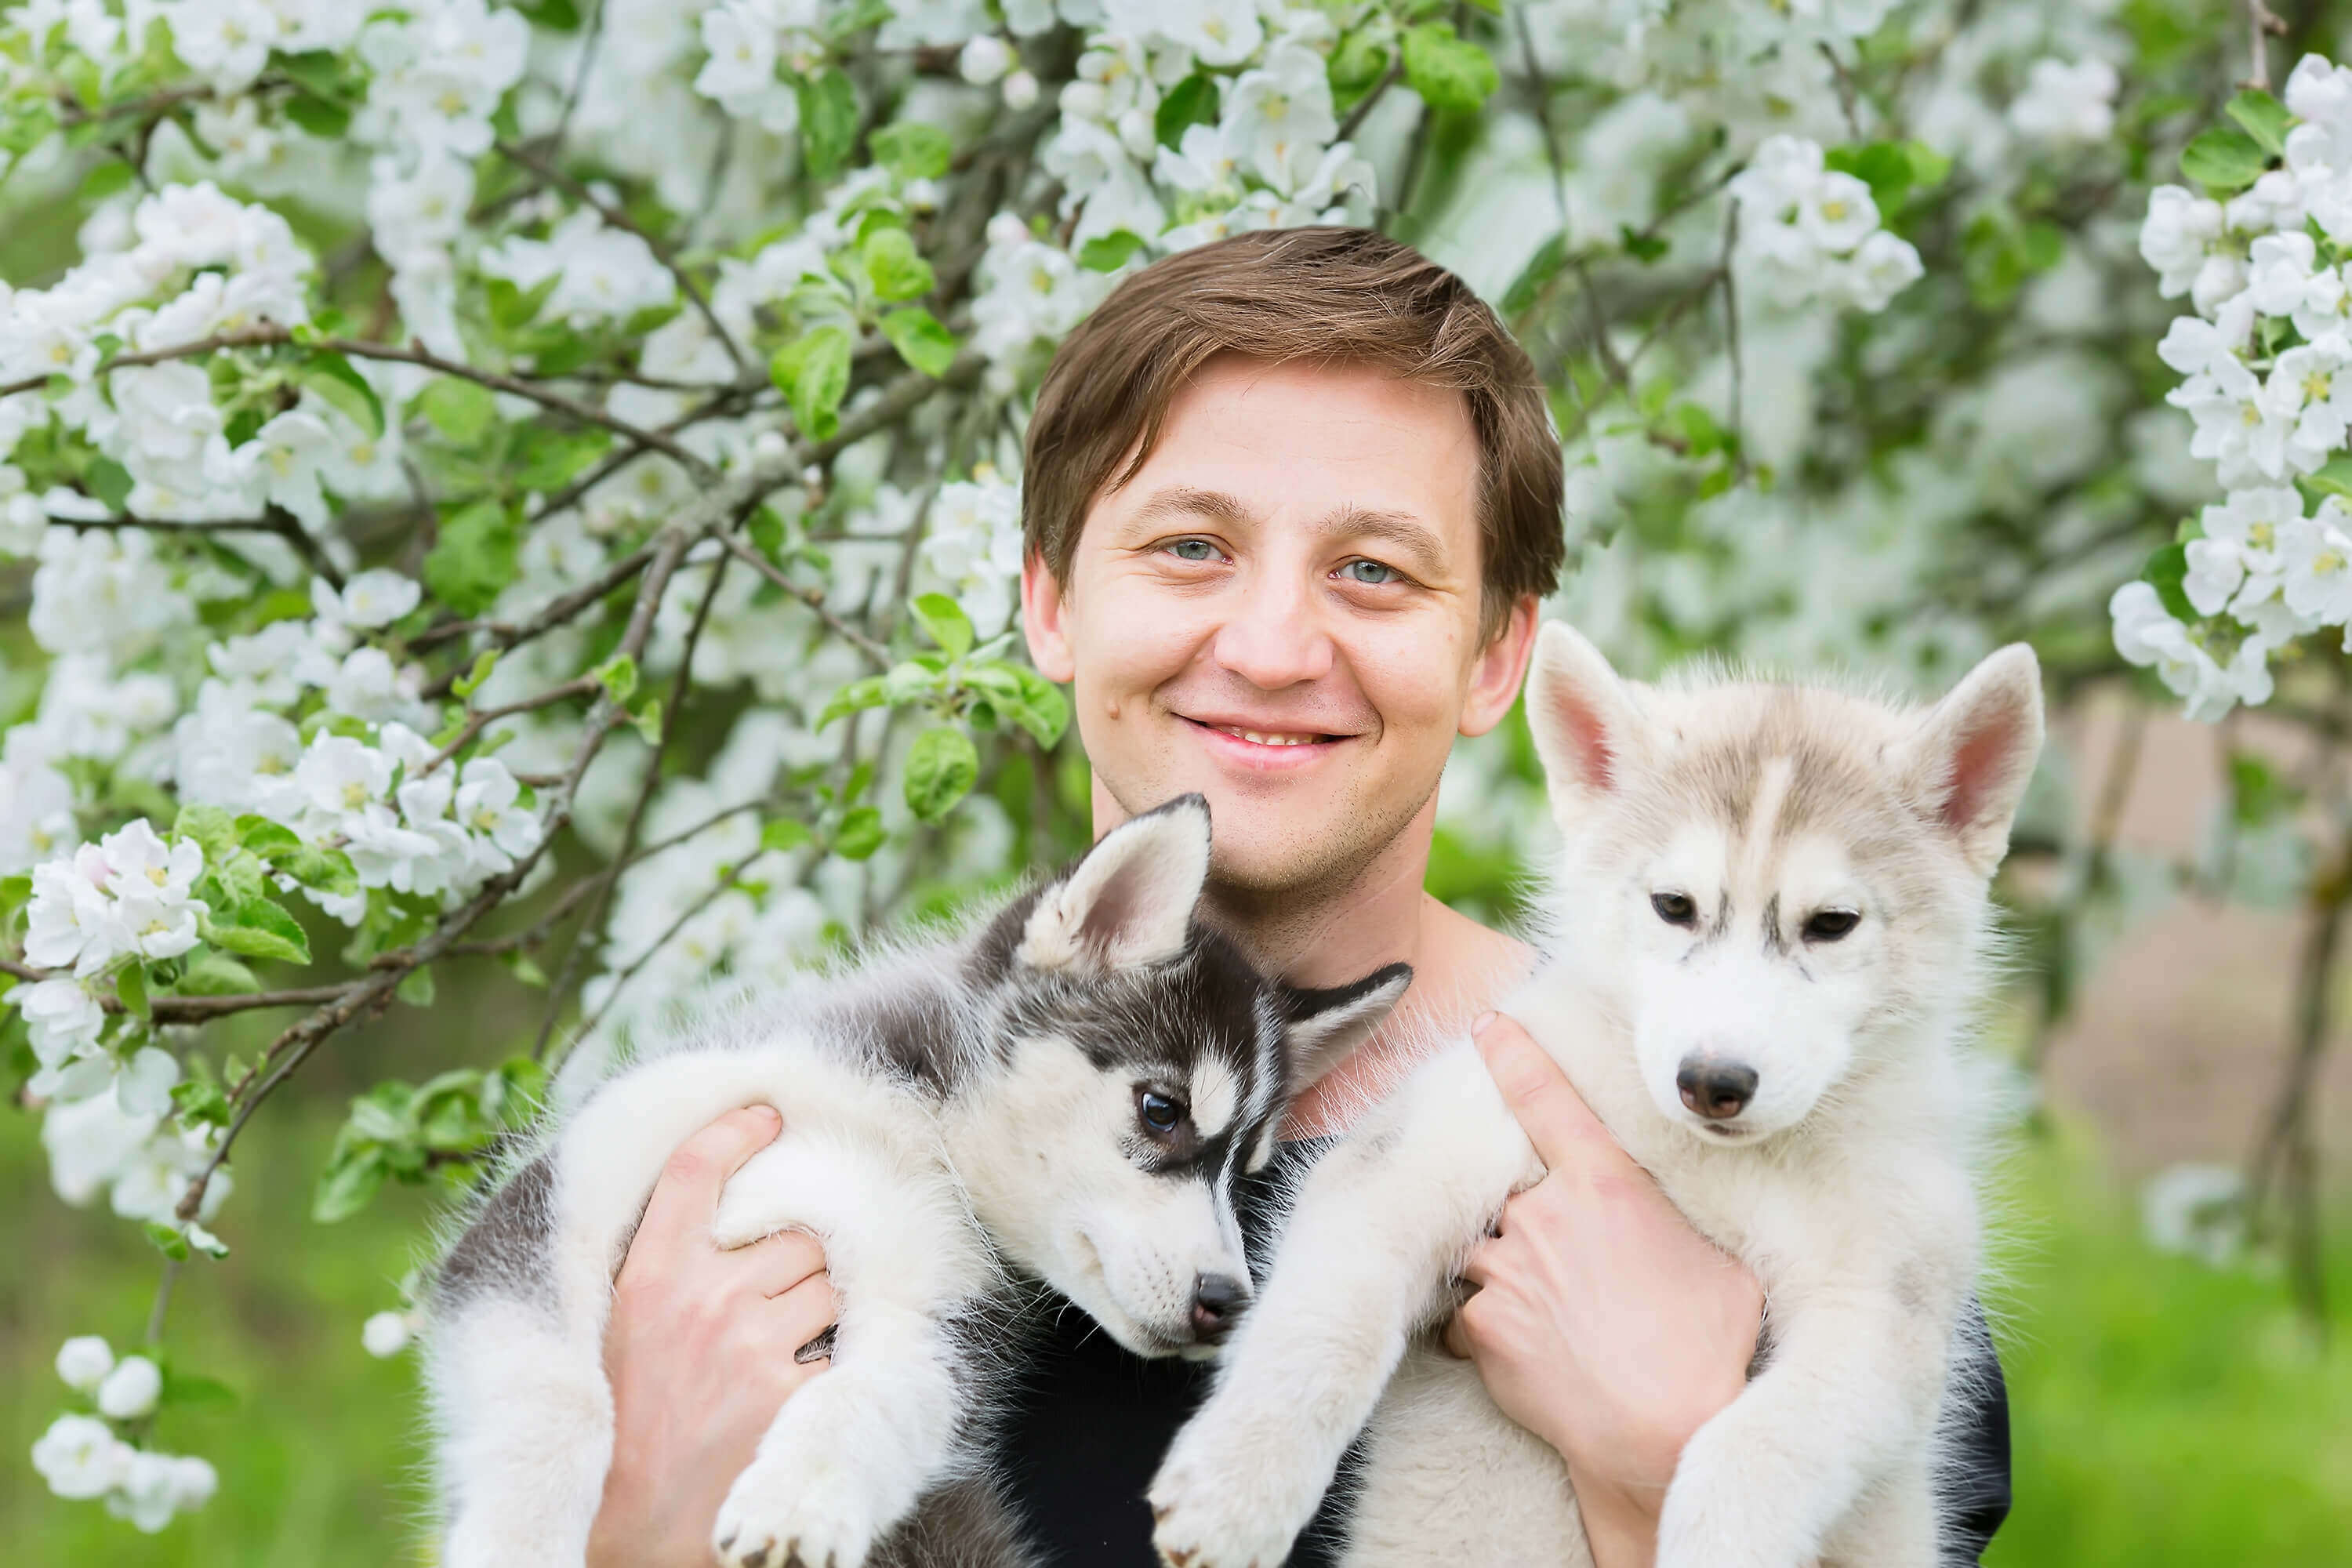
[1769, 923]
[1067, 1094]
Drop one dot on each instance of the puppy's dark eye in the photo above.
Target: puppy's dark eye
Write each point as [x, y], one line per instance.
[1831, 925]
[1675, 908]
[1159, 1112]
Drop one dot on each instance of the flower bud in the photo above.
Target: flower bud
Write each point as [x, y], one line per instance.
[1085, 100]
[385, 1334]
[1006, 230]
[131, 1390]
[83, 1362]
[1020, 90]
[984, 59]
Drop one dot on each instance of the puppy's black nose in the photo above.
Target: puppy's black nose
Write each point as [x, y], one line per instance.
[1217, 1303]
[1717, 1090]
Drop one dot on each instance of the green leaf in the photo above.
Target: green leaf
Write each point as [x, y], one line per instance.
[945, 622]
[895, 267]
[783, 834]
[2222, 159]
[461, 410]
[512, 309]
[1359, 61]
[920, 340]
[184, 1391]
[647, 721]
[216, 975]
[555, 15]
[1019, 693]
[466, 685]
[618, 677]
[14, 893]
[264, 836]
[872, 691]
[213, 830]
[415, 987]
[109, 481]
[1542, 268]
[812, 373]
[319, 868]
[476, 555]
[911, 150]
[860, 834]
[1192, 102]
[348, 1186]
[2334, 478]
[547, 458]
[316, 115]
[131, 988]
[2167, 571]
[2265, 118]
[1449, 72]
[1645, 249]
[199, 1101]
[828, 105]
[260, 929]
[1109, 252]
[1884, 167]
[168, 1240]
[1929, 168]
[942, 768]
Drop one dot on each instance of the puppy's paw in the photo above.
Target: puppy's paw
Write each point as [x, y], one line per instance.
[1226, 1507]
[794, 1516]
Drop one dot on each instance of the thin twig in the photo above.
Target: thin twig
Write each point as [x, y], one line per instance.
[1845, 89]
[1732, 334]
[878, 656]
[1373, 95]
[2262, 25]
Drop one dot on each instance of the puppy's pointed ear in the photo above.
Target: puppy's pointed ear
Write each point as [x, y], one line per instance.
[1581, 715]
[1967, 765]
[1129, 901]
[1321, 1026]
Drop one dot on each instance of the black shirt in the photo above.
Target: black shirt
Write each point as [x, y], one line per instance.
[1091, 1423]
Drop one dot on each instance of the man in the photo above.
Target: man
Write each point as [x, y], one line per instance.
[1291, 500]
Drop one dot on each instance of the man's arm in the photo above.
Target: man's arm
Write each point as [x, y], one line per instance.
[700, 1352]
[1603, 1323]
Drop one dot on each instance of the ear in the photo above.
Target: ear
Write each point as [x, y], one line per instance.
[1968, 763]
[1321, 1026]
[1582, 716]
[1129, 901]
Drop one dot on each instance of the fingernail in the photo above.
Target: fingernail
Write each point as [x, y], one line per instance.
[1483, 1021]
[770, 1114]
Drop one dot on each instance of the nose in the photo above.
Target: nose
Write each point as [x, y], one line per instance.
[1272, 639]
[1217, 1303]
[1717, 1089]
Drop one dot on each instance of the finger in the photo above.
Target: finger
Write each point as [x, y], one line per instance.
[804, 1312]
[774, 1264]
[1457, 1339]
[687, 1193]
[1565, 1132]
[1481, 1264]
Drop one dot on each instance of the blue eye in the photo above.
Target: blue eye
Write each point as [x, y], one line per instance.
[1194, 549]
[1370, 572]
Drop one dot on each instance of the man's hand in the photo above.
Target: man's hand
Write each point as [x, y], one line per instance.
[699, 1354]
[1602, 1322]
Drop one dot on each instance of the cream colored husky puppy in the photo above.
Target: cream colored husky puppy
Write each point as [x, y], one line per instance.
[1769, 928]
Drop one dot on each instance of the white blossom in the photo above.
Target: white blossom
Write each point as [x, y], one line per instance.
[131, 1390]
[83, 1362]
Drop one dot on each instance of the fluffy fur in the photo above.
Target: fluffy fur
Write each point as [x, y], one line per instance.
[1796, 1081]
[1067, 1095]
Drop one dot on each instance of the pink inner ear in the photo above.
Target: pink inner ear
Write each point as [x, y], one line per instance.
[1596, 758]
[1979, 763]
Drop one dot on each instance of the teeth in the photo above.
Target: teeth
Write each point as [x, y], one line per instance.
[1263, 739]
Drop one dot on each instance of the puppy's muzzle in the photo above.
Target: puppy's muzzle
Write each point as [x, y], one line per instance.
[1217, 1303]
[1715, 1089]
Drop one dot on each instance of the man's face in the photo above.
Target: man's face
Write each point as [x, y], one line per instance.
[1281, 611]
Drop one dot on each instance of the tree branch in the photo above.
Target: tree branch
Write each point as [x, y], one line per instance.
[876, 653]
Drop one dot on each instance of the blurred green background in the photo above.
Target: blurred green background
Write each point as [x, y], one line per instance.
[2166, 1413]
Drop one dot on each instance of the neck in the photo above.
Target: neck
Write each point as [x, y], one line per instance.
[1378, 914]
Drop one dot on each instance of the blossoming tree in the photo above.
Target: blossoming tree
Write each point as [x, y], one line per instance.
[531, 491]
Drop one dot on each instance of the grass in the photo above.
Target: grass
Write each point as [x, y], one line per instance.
[2166, 1413]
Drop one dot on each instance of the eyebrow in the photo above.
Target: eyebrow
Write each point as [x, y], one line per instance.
[1401, 529]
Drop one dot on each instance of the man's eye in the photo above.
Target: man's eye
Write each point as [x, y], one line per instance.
[1194, 549]
[1675, 908]
[1370, 572]
[1159, 1112]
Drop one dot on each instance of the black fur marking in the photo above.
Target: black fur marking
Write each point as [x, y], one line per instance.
[910, 1033]
[1774, 942]
[507, 1245]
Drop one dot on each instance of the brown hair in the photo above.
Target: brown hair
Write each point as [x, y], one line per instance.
[1329, 294]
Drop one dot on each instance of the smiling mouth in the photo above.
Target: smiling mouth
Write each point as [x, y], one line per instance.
[1268, 737]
